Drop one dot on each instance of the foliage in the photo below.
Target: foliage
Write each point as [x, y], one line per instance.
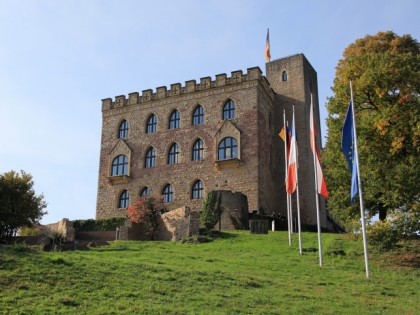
[385, 72]
[30, 231]
[19, 205]
[56, 238]
[109, 224]
[385, 235]
[211, 210]
[146, 210]
[382, 235]
[236, 273]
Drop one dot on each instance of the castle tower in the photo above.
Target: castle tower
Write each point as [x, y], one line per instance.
[293, 79]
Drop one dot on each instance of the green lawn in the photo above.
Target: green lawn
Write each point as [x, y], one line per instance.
[238, 273]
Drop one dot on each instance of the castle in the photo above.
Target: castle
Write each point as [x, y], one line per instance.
[222, 134]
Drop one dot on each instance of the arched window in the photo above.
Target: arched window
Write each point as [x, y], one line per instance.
[198, 116]
[168, 194]
[145, 192]
[150, 160]
[284, 76]
[124, 200]
[173, 156]
[123, 131]
[151, 125]
[197, 190]
[119, 166]
[174, 120]
[228, 149]
[229, 110]
[198, 150]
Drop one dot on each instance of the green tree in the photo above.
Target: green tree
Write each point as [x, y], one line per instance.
[385, 73]
[19, 205]
[211, 212]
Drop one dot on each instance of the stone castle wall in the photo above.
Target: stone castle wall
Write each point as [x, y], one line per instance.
[236, 175]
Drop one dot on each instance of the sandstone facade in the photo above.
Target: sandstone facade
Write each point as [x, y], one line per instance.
[257, 169]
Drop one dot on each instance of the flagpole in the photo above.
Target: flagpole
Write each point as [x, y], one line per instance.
[318, 221]
[286, 166]
[359, 182]
[297, 189]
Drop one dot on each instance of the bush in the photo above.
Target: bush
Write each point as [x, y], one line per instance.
[212, 211]
[109, 224]
[382, 235]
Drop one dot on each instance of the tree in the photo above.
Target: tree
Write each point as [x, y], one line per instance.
[19, 205]
[385, 73]
[211, 212]
[146, 210]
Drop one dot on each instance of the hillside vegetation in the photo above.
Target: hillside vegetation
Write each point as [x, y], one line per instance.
[238, 273]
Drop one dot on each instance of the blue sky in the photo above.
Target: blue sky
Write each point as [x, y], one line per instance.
[58, 59]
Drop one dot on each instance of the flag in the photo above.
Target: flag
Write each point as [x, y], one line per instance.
[322, 187]
[292, 166]
[267, 47]
[282, 134]
[348, 148]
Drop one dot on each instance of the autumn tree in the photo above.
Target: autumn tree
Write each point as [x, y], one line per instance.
[146, 210]
[19, 205]
[385, 73]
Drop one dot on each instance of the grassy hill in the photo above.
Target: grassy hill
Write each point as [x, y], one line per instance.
[238, 273]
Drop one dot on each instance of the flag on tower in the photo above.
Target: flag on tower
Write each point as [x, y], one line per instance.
[322, 187]
[267, 47]
[348, 148]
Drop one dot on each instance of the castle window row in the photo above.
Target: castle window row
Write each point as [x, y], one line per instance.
[197, 192]
[227, 149]
[175, 119]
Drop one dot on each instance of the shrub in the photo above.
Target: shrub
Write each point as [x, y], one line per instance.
[109, 224]
[211, 211]
[146, 210]
[382, 235]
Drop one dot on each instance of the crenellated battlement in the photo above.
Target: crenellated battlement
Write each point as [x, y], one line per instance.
[190, 86]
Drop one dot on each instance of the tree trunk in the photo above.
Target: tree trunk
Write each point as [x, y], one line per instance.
[382, 214]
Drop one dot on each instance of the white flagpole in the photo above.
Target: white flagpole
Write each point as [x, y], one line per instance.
[297, 188]
[286, 167]
[359, 182]
[318, 222]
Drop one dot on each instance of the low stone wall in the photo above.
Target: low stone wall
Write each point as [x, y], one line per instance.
[234, 207]
[96, 236]
[174, 225]
[64, 227]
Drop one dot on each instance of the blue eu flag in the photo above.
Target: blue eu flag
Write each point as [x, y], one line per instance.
[348, 148]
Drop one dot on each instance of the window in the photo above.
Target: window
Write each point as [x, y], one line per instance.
[198, 151]
[198, 116]
[123, 131]
[284, 76]
[151, 126]
[168, 194]
[119, 166]
[124, 199]
[174, 120]
[173, 156]
[197, 190]
[145, 192]
[229, 110]
[150, 160]
[228, 149]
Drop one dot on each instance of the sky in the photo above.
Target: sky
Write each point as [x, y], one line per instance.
[58, 59]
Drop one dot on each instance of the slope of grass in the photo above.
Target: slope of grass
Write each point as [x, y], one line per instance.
[238, 273]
